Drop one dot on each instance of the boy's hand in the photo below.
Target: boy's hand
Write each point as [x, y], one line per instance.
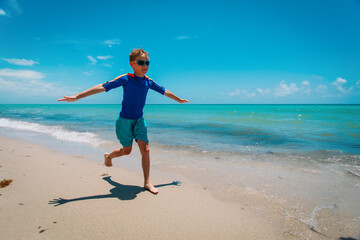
[174, 97]
[68, 99]
[183, 101]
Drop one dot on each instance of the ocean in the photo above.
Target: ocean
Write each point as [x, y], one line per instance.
[291, 129]
[304, 157]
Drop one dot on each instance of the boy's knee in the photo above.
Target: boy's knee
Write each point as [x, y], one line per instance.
[145, 150]
[127, 150]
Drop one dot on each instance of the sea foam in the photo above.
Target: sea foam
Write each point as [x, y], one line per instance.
[55, 131]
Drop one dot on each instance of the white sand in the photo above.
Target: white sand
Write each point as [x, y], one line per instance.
[58, 196]
[177, 212]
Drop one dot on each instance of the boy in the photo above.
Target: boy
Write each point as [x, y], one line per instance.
[130, 123]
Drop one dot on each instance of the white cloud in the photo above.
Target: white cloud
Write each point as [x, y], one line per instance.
[12, 7]
[26, 74]
[263, 91]
[92, 60]
[84, 43]
[305, 83]
[234, 93]
[306, 87]
[7, 84]
[341, 80]
[107, 65]
[27, 82]
[88, 73]
[15, 6]
[307, 90]
[21, 62]
[321, 88]
[339, 84]
[104, 57]
[283, 89]
[110, 43]
[182, 37]
[30, 87]
[239, 92]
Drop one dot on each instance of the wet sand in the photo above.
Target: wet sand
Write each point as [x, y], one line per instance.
[309, 200]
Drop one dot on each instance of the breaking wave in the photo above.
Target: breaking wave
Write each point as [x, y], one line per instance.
[55, 131]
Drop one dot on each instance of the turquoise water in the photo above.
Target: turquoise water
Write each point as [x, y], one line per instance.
[291, 129]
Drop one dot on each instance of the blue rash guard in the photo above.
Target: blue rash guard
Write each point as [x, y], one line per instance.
[135, 91]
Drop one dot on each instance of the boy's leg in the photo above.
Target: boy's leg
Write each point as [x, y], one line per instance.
[145, 153]
[125, 136]
[116, 153]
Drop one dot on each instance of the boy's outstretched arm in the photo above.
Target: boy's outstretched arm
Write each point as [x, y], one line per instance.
[174, 97]
[91, 91]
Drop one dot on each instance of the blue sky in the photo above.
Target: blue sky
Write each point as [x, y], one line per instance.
[253, 51]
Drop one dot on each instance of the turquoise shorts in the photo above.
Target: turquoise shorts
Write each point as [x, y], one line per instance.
[129, 129]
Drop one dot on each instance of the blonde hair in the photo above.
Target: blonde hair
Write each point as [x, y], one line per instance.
[137, 52]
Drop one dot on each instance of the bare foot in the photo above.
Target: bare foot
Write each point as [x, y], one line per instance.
[107, 160]
[149, 187]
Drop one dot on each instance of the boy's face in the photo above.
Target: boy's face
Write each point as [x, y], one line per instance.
[140, 71]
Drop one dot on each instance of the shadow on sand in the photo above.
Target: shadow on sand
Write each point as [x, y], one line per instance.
[120, 191]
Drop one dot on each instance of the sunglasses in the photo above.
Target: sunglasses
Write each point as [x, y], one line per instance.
[142, 62]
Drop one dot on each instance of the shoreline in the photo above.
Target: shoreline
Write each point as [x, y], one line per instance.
[242, 209]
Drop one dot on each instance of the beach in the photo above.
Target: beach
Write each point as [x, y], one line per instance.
[274, 183]
[59, 196]
[92, 208]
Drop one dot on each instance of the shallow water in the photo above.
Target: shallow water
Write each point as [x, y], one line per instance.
[289, 128]
[311, 133]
